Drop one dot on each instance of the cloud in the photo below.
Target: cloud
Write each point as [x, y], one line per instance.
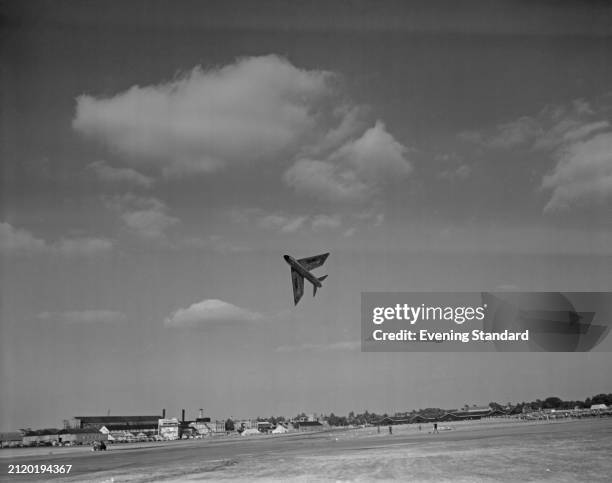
[210, 311]
[552, 127]
[120, 175]
[583, 174]
[150, 223]
[577, 136]
[326, 181]
[320, 222]
[253, 109]
[16, 240]
[356, 171]
[283, 223]
[335, 346]
[83, 246]
[459, 173]
[144, 216]
[85, 316]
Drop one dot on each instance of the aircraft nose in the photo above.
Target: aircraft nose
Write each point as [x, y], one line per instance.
[286, 257]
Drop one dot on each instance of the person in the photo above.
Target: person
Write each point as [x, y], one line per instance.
[390, 429]
[435, 428]
[419, 427]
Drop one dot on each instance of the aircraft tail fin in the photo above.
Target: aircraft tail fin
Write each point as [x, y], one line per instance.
[314, 287]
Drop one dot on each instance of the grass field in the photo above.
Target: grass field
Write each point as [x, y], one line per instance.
[479, 451]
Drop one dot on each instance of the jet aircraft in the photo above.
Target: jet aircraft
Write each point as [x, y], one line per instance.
[300, 270]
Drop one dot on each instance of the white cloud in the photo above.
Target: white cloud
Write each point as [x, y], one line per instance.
[120, 175]
[326, 181]
[145, 216]
[253, 109]
[85, 316]
[83, 246]
[552, 127]
[583, 174]
[283, 223]
[326, 221]
[577, 136]
[150, 224]
[16, 240]
[459, 173]
[210, 311]
[355, 172]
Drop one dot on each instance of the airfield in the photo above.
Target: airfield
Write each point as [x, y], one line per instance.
[560, 451]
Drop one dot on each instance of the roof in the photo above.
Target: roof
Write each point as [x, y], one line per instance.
[130, 427]
[11, 436]
[42, 432]
[114, 419]
[79, 431]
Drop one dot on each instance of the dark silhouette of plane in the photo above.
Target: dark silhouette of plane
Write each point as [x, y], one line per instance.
[300, 270]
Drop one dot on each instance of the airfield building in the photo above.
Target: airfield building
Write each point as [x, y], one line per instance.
[82, 436]
[10, 439]
[119, 423]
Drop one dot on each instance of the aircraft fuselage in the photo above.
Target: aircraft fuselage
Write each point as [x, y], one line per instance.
[293, 263]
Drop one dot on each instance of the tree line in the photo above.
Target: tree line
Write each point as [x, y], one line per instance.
[367, 417]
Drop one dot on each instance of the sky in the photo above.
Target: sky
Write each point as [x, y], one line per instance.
[159, 158]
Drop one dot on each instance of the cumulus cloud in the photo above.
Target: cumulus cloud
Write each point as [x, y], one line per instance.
[355, 171]
[283, 223]
[119, 175]
[83, 246]
[145, 216]
[250, 110]
[582, 175]
[326, 221]
[16, 240]
[210, 311]
[254, 109]
[85, 316]
[552, 127]
[577, 136]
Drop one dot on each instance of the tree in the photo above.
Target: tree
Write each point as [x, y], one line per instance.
[229, 425]
[552, 402]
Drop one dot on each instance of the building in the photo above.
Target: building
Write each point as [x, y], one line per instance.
[112, 423]
[168, 428]
[280, 429]
[308, 425]
[203, 428]
[83, 436]
[41, 437]
[11, 439]
[264, 426]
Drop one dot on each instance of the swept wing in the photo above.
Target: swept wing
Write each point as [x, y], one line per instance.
[311, 263]
[298, 285]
